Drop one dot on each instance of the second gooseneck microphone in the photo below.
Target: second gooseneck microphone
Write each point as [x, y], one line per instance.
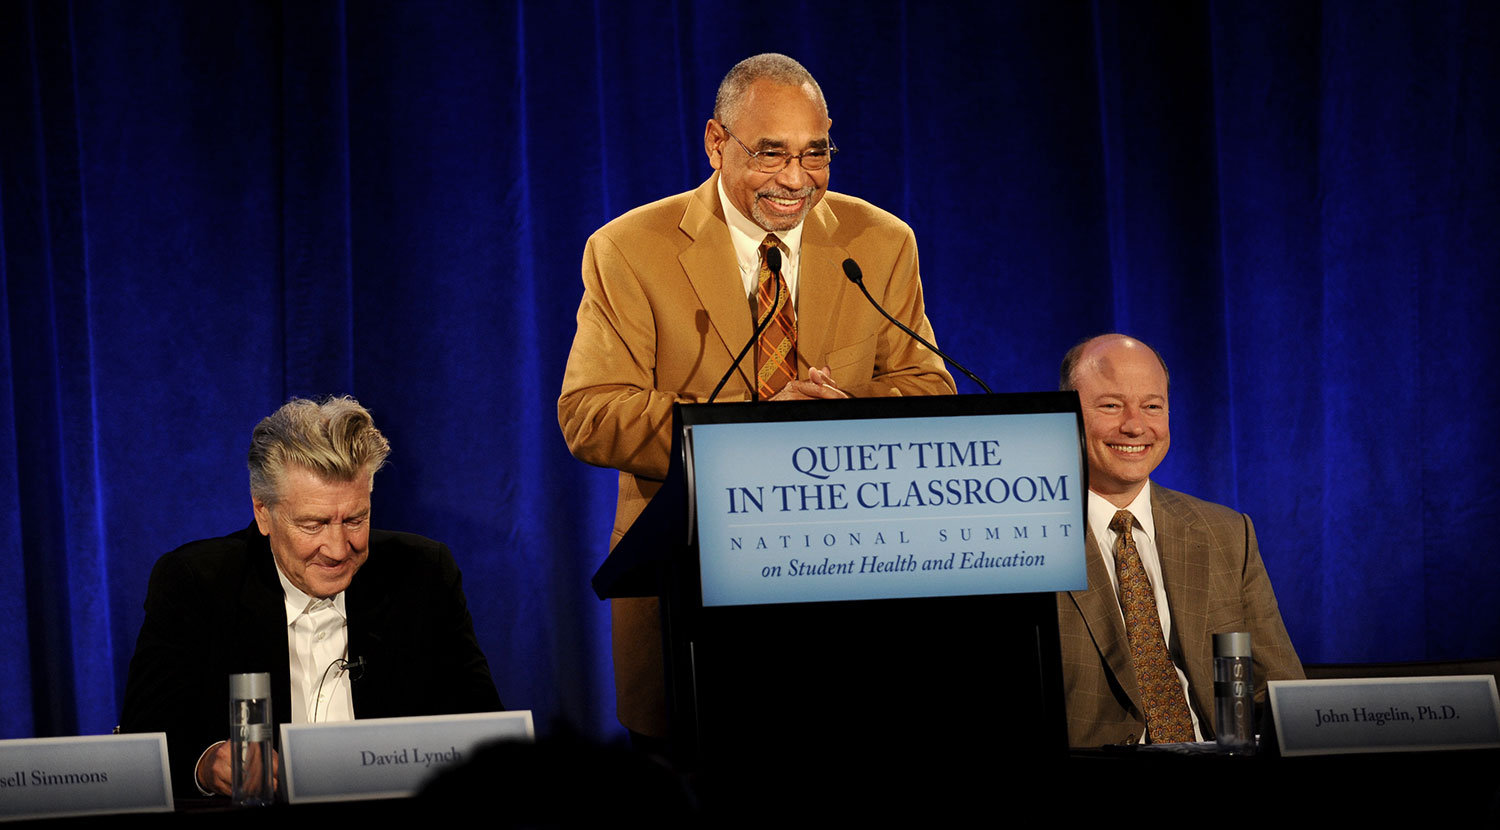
[851, 270]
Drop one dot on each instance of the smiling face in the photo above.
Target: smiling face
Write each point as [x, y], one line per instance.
[319, 530]
[771, 116]
[1123, 390]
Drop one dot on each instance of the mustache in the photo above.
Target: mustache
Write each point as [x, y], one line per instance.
[783, 193]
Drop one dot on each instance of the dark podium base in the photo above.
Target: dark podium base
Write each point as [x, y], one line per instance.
[862, 685]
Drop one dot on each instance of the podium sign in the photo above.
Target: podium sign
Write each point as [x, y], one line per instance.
[840, 579]
[887, 508]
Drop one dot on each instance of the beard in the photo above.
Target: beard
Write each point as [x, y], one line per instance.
[779, 222]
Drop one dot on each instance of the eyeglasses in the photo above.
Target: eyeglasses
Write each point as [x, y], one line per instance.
[775, 161]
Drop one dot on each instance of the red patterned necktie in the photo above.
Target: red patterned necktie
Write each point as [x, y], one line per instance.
[1167, 717]
[776, 348]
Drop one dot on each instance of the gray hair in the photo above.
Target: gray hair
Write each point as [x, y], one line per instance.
[769, 66]
[1065, 381]
[335, 439]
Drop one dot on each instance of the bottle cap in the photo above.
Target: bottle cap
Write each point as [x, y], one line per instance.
[254, 686]
[1232, 644]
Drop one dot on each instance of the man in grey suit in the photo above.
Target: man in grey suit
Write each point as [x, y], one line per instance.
[1166, 571]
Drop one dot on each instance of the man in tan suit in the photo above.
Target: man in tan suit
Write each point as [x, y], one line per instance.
[670, 298]
[1196, 562]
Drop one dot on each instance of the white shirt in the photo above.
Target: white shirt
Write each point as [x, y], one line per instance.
[317, 637]
[1101, 513]
[747, 236]
[317, 634]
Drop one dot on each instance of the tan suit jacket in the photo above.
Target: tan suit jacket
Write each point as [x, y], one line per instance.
[664, 313]
[1215, 583]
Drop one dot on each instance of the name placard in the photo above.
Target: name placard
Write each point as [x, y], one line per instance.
[84, 776]
[386, 757]
[1385, 714]
[884, 508]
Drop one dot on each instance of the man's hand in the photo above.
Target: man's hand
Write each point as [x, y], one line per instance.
[215, 774]
[819, 384]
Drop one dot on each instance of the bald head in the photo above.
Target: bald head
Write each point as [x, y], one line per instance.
[1102, 344]
[1122, 389]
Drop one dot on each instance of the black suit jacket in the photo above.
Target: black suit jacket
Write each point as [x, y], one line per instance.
[215, 607]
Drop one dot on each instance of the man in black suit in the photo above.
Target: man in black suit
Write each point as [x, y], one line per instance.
[349, 621]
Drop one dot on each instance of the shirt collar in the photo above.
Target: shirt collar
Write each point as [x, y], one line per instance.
[298, 603]
[747, 235]
[1102, 512]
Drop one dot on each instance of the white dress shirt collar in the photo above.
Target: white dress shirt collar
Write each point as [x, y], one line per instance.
[747, 236]
[298, 603]
[317, 639]
[1102, 512]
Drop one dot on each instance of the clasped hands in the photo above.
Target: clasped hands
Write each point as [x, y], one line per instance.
[819, 385]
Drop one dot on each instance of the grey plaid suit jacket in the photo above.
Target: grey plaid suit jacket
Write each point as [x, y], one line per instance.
[1215, 582]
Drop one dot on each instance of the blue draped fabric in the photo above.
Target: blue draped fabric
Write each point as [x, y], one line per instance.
[206, 208]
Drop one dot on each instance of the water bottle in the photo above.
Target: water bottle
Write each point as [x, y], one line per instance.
[250, 726]
[1234, 693]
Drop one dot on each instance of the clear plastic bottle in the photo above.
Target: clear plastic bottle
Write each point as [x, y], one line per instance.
[250, 725]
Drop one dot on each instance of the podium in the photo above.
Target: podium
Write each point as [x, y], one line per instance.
[861, 584]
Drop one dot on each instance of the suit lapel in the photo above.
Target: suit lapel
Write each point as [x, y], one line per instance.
[820, 287]
[262, 637]
[711, 268]
[1101, 613]
[367, 604]
[1178, 531]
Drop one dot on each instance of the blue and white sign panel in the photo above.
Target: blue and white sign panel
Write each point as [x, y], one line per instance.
[885, 508]
[84, 776]
[386, 757]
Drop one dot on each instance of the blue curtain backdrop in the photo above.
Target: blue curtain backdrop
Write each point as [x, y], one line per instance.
[208, 207]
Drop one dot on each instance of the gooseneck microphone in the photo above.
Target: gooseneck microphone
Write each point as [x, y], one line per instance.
[851, 270]
[773, 264]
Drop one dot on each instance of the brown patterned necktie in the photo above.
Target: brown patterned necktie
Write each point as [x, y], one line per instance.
[1167, 717]
[776, 348]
